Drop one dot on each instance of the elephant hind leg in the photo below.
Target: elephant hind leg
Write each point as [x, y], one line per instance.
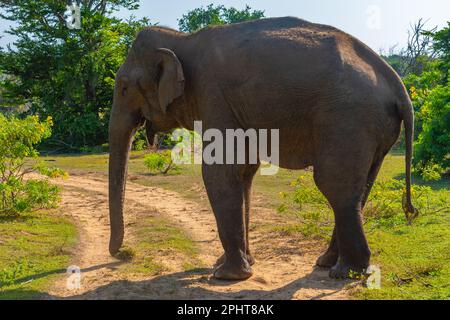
[373, 173]
[330, 257]
[342, 178]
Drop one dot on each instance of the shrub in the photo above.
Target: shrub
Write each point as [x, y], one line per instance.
[430, 93]
[431, 171]
[433, 145]
[51, 172]
[33, 195]
[310, 207]
[384, 206]
[18, 138]
[140, 140]
[160, 162]
[139, 145]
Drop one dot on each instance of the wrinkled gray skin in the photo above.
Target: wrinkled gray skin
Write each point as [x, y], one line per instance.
[338, 105]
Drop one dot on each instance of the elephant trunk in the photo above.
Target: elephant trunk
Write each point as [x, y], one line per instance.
[121, 130]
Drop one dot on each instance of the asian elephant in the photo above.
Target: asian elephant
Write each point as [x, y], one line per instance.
[338, 107]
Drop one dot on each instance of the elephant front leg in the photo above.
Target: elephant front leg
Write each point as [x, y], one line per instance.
[225, 189]
[248, 180]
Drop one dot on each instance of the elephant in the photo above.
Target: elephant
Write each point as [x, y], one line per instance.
[338, 107]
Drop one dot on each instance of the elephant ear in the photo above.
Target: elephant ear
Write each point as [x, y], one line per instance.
[171, 80]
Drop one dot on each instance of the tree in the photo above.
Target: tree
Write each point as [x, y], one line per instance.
[432, 158]
[18, 138]
[430, 93]
[66, 73]
[441, 45]
[424, 66]
[202, 17]
[418, 54]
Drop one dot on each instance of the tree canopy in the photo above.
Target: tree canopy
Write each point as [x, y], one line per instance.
[430, 92]
[203, 17]
[66, 73]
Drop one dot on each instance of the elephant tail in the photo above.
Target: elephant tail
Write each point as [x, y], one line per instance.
[406, 112]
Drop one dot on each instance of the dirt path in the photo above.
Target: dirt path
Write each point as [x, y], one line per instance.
[284, 268]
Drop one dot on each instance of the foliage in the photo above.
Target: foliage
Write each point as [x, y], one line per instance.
[426, 77]
[432, 172]
[125, 254]
[76, 85]
[140, 140]
[165, 141]
[383, 207]
[18, 139]
[433, 144]
[418, 54]
[212, 15]
[441, 44]
[412, 257]
[430, 93]
[156, 235]
[310, 207]
[51, 172]
[34, 248]
[160, 162]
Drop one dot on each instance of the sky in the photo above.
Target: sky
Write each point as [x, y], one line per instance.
[381, 24]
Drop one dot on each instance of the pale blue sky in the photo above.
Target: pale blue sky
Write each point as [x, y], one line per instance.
[379, 23]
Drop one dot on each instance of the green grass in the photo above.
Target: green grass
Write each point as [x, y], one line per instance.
[34, 249]
[158, 241]
[95, 163]
[414, 260]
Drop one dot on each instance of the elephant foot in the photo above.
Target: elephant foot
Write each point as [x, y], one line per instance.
[233, 271]
[344, 271]
[251, 261]
[328, 259]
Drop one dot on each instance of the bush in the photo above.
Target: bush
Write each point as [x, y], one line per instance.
[50, 172]
[32, 195]
[430, 94]
[18, 138]
[160, 162]
[433, 145]
[140, 140]
[310, 207]
[384, 206]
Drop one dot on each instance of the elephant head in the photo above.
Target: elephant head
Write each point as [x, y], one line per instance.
[148, 82]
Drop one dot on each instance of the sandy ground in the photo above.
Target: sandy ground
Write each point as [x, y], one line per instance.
[284, 267]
